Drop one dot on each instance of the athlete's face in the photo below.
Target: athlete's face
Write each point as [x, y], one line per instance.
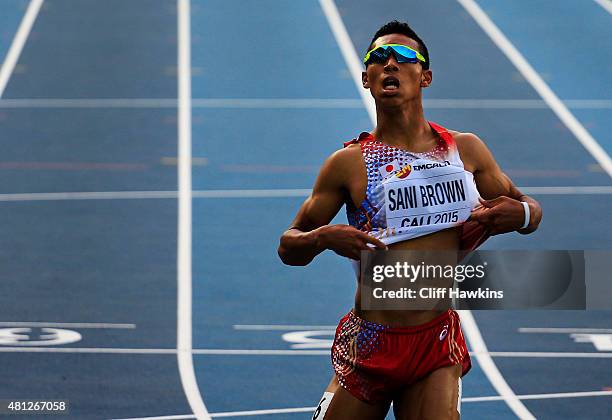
[393, 81]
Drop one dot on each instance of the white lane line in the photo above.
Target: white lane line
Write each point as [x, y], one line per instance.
[21, 36]
[250, 352]
[523, 66]
[209, 352]
[256, 193]
[289, 103]
[470, 327]
[589, 190]
[87, 350]
[513, 103]
[278, 103]
[606, 4]
[66, 324]
[176, 417]
[283, 352]
[566, 330]
[275, 327]
[543, 396]
[549, 354]
[263, 412]
[184, 267]
[267, 193]
[87, 195]
[309, 409]
[90, 103]
[280, 327]
[477, 354]
[489, 368]
[351, 57]
[129, 195]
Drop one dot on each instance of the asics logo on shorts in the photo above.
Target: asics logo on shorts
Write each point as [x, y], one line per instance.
[444, 332]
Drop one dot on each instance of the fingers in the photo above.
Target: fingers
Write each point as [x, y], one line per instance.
[479, 215]
[348, 241]
[490, 203]
[354, 255]
[362, 242]
[496, 220]
[495, 201]
[485, 217]
[355, 252]
[376, 242]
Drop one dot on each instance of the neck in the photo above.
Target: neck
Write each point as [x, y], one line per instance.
[403, 126]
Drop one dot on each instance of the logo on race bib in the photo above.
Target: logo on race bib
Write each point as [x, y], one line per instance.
[389, 168]
[404, 172]
[433, 165]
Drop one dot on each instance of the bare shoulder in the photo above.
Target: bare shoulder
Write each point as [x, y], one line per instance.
[339, 167]
[468, 142]
[344, 158]
[472, 149]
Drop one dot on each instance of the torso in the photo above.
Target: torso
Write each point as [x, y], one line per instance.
[447, 239]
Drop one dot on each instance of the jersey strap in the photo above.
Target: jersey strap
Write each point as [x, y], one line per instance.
[442, 132]
[363, 136]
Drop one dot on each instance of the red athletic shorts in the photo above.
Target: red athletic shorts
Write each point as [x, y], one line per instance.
[373, 361]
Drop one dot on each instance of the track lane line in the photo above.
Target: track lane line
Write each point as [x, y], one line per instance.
[540, 86]
[563, 113]
[547, 330]
[606, 4]
[284, 352]
[348, 52]
[21, 36]
[66, 324]
[280, 327]
[481, 354]
[254, 193]
[184, 257]
[310, 409]
[290, 103]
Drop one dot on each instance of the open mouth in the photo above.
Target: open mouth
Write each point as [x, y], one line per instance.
[391, 83]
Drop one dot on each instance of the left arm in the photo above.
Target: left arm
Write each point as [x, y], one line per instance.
[501, 209]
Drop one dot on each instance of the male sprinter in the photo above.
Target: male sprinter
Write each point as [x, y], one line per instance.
[414, 359]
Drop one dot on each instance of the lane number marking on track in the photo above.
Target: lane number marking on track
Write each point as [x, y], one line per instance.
[602, 342]
[28, 337]
[309, 340]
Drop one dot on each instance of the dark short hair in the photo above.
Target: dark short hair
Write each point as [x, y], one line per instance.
[396, 27]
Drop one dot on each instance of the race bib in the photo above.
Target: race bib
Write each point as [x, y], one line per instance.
[427, 194]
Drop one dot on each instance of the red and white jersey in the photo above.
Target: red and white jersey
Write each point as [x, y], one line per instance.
[415, 194]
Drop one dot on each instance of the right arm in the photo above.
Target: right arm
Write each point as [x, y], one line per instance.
[310, 234]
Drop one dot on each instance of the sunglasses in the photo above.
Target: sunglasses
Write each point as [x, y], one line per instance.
[402, 54]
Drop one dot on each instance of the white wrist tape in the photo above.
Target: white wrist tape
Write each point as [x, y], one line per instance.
[527, 214]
